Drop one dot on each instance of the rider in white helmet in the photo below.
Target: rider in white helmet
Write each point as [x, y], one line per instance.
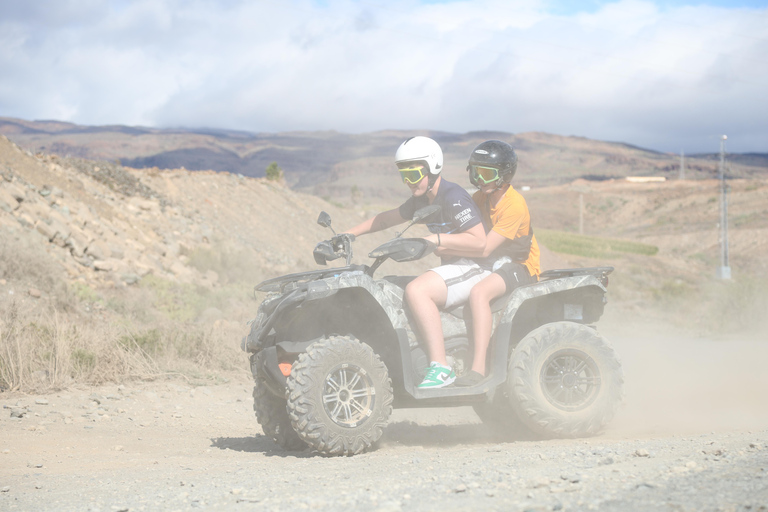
[457, 227]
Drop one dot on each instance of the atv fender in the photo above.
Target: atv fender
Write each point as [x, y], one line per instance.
[388, 295]
[551, 287]
[265, 363]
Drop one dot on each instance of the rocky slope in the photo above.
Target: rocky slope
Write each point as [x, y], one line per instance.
[113, 225]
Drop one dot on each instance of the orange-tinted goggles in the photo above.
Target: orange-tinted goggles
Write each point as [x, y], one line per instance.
[484, 174]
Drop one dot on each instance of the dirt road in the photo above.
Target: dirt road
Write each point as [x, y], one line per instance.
[693, 435]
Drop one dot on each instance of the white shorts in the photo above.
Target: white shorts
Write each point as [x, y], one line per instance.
[460, 277]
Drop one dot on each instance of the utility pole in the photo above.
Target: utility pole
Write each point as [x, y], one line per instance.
[682, 164]
[724, 271]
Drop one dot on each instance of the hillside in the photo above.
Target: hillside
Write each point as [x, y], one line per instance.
[349, 168]
[106, 256]
[108, 272]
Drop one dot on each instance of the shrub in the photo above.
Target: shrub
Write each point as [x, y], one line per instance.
[23, 258]
[274, 172]
[232, 265]
[735, 306]
[83, 361]
[40, 352]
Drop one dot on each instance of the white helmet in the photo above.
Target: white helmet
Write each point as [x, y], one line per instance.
[421, 149]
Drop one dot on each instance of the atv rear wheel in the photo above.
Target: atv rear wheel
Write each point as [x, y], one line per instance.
[565, 380]
[339, 396]
[272, 415]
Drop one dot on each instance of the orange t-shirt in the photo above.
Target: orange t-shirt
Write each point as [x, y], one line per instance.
[510, 218]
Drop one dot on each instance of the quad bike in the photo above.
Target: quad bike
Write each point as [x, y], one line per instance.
[332, 351]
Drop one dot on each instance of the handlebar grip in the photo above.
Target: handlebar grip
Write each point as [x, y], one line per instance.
[341, 241]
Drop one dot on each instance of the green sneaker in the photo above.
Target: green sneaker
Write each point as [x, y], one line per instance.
[438, 376]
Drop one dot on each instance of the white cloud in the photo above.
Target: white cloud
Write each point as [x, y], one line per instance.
[668, 79]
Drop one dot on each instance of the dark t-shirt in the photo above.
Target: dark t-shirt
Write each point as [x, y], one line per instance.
[458, 212]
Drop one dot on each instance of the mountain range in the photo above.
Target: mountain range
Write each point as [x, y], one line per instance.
[346, 167]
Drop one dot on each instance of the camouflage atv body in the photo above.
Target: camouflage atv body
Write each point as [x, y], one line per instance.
[333, 351]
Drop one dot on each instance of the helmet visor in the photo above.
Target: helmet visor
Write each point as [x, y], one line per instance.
[412, 174]
[484, 174]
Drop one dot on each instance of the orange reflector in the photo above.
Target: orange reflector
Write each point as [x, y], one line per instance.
[285, 368]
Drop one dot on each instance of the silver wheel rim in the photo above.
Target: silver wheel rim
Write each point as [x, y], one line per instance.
[570, 380]
[348, 395]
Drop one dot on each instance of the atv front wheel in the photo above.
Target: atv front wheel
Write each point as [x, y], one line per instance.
[273, 417]
[565, 380]
[339, 396]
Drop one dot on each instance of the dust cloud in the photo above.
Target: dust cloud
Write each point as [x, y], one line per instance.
[676, 383]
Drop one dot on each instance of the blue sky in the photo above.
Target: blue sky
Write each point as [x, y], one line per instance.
[669, 76]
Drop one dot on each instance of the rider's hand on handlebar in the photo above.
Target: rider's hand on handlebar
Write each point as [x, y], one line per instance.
[435, 240]
[341, 241]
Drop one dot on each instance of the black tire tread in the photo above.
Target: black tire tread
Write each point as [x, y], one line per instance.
[272, 415]
[523, 382]
[309, 419]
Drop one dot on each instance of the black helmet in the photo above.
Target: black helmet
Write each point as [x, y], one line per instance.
[488, 156]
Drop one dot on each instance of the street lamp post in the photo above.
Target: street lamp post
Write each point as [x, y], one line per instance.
[724, 271]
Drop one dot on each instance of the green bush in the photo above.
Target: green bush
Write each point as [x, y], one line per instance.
[274, 172]
[83, 361]
[150, 342]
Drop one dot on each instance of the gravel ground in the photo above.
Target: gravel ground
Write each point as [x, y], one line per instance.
[169, 446]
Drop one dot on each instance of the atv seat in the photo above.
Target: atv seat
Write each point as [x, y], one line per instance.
[458, 311]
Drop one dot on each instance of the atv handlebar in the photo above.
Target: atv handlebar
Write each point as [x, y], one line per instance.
[398, 249]
[342, 242]
[338, 246]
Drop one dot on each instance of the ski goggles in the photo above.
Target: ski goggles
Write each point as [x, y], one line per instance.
[412, 174]
[484, 174]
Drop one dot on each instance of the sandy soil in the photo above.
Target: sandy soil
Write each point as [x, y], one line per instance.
[692, 435]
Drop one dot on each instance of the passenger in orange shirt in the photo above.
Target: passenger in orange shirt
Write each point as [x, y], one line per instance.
[511, 250]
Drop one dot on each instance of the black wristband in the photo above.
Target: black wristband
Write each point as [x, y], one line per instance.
[438, 239]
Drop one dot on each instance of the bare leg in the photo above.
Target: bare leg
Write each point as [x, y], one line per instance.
[482, 320]
[425, 295]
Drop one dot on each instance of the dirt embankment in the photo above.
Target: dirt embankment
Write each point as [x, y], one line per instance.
[96, 259]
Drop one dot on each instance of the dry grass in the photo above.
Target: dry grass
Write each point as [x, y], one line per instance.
[48, 350]
[734, 307]
[79, 334]
[705, 305]
[40, 351]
